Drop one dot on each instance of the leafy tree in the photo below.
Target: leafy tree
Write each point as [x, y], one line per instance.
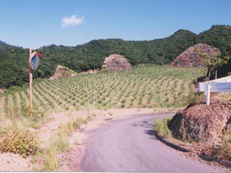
[213, 62]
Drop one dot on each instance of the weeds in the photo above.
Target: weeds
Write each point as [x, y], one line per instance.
[161, 126]
[21, 142]
[225, 148]
[51, 161]
[60, 143]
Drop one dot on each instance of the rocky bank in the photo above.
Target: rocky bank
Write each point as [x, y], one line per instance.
[202, 123]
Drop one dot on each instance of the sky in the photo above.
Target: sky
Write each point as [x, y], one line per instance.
[37, 23]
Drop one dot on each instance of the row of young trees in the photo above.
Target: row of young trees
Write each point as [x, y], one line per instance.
[14, 60]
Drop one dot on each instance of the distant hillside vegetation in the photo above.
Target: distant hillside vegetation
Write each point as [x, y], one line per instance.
[14, 60]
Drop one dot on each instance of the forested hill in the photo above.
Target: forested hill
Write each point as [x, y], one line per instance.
[14, 60]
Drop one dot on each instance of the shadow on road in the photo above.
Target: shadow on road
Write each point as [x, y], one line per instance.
[154, 133]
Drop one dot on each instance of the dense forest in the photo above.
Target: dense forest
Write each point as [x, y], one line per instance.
[14, 60]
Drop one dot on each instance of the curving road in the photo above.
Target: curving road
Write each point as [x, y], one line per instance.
[128, 145]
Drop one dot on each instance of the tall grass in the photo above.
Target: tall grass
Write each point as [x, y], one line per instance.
[161, 126]
[60, 143]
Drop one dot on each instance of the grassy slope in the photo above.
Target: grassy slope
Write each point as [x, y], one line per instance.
[148, 86]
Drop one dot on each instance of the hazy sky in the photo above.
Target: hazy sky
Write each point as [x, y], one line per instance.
[36, 23]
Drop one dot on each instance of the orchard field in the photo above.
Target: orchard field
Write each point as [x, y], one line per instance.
[149, 86]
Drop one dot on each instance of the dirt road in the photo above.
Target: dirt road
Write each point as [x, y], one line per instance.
[128, 145]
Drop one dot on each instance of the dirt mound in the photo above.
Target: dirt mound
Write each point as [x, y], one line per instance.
[201, 123]
[193, 56]
[62, 71]
[116, 62]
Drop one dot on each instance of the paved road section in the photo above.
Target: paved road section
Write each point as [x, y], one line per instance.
[128, 145]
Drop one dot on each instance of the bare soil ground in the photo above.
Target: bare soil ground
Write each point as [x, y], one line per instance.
[14, 162]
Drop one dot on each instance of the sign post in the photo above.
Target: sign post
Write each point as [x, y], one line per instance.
[31, 79]
[33, 65]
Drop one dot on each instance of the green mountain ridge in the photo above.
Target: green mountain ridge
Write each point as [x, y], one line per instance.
[14, 60]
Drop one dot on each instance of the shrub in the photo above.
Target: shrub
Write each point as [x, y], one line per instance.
[196, 99]
[22, 142]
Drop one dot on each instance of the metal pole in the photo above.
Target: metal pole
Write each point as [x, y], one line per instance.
[30, 80]
[94, 97]
[216, 74]
[208, 94]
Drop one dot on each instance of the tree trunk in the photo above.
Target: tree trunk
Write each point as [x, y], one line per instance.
[209, 73]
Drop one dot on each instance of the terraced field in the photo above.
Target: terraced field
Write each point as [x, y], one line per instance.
[148, 86]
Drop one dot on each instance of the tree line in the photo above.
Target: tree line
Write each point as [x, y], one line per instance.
[14, 60]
